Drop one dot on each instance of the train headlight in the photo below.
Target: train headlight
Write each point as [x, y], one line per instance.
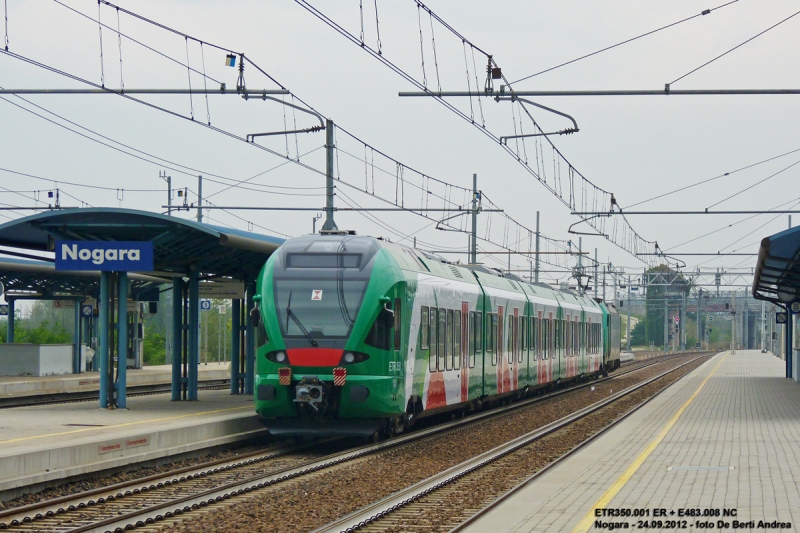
[279, 357]
[348, 358]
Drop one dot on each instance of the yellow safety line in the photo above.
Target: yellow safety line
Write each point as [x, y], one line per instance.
[126, 424]
[584, 525]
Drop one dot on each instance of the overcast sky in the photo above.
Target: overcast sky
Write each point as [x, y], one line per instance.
[635, 147]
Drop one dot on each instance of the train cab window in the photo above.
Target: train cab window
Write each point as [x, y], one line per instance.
[441, 335]
[380, 334]
[457, 355]
[261, 330]
[398, 323]
[424, 330]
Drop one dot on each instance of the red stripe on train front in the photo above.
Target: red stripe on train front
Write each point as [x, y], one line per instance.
[314, 356]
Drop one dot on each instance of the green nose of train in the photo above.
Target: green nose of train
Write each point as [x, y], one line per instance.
[357, 335]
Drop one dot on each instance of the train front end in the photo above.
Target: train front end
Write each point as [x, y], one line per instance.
[326, 365]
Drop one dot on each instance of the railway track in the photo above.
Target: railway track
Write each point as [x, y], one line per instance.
[427, 503]
[83, 396]
[164, 498]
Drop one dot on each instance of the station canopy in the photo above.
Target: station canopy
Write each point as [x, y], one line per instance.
[777, 277]
[178, 245]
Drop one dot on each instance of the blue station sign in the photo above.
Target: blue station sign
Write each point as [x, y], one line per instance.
[107, 256]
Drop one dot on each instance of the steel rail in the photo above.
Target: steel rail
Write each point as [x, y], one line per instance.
[167, 509]
[379, 510]
[83, 396]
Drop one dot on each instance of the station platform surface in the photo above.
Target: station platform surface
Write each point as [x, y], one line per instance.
[90, 381]
[726, 436]
[44, 444]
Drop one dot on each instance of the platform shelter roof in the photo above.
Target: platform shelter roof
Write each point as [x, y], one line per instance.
[29, 278]
[777, 277]
[178, 244]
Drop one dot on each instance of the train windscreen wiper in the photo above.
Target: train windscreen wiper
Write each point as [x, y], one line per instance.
[290, 314]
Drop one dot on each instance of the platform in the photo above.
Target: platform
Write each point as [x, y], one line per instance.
[90, 381]
[725, 437]
[44, 444]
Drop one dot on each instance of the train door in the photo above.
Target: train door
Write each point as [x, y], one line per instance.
[399, 367]
[461, 336]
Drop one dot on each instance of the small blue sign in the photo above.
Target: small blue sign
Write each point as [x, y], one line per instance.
[205, 305]
[107, 256]
[3, 310]
[87, 310]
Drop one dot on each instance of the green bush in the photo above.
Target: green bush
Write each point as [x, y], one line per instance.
[44, 333]
[154, 347]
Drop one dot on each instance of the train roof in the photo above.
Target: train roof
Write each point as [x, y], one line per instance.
[416, 260]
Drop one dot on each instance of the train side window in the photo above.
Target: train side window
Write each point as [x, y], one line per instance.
[442, 335]
[398, 323]
[448, 340]
[457, 355]
[433, 322]
[545, 325]
[522, 346]
[424, 329]
[551, 337]
[568, 336]
[533, 331]
[500, 334]
[478, 336]
[512, 326]
[491, 338]
[471, 338]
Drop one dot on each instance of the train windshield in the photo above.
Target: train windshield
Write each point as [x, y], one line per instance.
[317, 309]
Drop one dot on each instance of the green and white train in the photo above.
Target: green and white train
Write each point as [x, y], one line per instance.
[358, 335]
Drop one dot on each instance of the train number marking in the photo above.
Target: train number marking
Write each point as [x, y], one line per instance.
[394, 366]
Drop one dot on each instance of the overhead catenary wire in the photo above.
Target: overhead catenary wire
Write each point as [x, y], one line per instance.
[735, 47]
[680, 189]
[626, 41]
[145, 103]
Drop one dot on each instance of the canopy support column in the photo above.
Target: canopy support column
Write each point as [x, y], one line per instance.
[102, 352]
[10, 325]
[177, 336]
[787, 328]
[122, 339]
[76, 356]
[250, 349]
[194, 334]
[236, 333]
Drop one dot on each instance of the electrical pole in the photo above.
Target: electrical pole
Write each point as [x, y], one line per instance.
[474, 244]
[596, 279]
[199, 198]
[580, 265]
[163, 175]
[699, 300]
[536, 278]
[733, 322]
[628, 348]
[666, 324]
[682, 326]
[329, 223]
